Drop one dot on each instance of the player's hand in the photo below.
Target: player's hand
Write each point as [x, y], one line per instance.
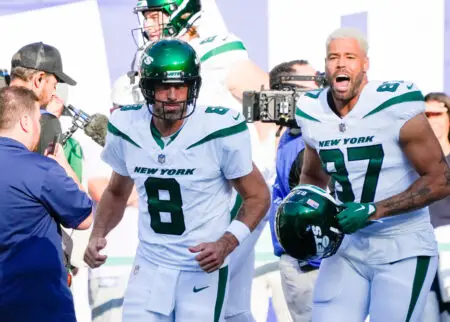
[355, 216]
[92, 255]
[212, 255]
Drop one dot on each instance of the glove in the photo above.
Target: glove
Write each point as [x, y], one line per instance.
[355, 216]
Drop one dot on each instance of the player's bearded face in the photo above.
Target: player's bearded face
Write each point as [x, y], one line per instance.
[346, 65]
[154, 22]
[170, 101]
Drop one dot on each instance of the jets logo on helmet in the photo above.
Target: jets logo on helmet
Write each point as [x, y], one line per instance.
[147, 59]
[306, 224]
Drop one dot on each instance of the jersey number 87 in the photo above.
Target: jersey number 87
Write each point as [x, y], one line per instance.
[373, 153]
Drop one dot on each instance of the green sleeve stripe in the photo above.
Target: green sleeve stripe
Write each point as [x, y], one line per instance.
[237, 205]
[300, 113]
[235, 45]
[115, 131]
[134, 107]
[222, 133]
[415, 96]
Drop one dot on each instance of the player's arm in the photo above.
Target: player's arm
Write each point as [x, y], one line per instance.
[422, 149]
[312, 171]
[256, 198]
[245, 75]
[112, 204]
[109, 213]
[255, 203]
[97, 185]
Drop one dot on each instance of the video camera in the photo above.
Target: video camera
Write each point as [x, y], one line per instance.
[277, 105]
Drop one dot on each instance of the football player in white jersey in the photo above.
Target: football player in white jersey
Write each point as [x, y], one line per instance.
[227, 72]
[184, 161]
[373, 139]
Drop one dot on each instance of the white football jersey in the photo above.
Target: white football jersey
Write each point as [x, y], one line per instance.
[361, 151]
[182, 180]
[217, 55]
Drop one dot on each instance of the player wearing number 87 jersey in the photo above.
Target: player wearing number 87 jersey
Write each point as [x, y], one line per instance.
[184, 161]
[373, 139]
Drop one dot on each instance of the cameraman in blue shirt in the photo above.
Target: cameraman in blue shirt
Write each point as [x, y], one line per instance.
[297, 278]
[36, 195]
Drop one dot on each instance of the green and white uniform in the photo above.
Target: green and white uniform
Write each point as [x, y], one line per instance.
[361, 151]
[217, 55]
[184, 193]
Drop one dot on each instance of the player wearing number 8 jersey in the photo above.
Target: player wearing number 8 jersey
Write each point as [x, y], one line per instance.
[373, 139]
[184, 160]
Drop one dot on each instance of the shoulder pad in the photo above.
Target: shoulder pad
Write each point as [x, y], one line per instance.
[218, 117]
[219, 44]
[384, 95]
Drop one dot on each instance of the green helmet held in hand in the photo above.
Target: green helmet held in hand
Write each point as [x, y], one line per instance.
[170, 64]
[306, 225]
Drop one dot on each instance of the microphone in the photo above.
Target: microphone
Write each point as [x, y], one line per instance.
[94, 126]
[96, 129]
[77, 113]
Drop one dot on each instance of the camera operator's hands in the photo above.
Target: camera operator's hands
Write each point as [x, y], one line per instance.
[56, 152]
[55, 106]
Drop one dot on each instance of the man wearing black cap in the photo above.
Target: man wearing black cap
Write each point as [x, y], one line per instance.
[38, 67]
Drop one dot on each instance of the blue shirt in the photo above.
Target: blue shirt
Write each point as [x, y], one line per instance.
[288, 149]
[35, 195]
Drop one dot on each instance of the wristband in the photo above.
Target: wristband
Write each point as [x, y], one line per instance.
[239, 230]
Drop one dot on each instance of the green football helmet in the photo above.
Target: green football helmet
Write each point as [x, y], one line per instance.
[306, 225]
[182, 15]
[170, 61]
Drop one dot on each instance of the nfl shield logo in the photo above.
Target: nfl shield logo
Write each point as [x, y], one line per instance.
[161, 158]
[342, 127]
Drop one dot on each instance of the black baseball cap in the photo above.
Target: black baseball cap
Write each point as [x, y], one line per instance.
[42, 57]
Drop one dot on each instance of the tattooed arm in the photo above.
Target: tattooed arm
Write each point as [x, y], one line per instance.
[422, 149]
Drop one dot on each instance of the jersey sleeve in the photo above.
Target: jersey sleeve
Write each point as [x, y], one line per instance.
[236, 156]
[411, 103]
[306, 113]
[113, 152]
[221, 52]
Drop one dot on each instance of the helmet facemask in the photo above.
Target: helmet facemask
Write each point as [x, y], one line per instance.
[171, 18]
[148, 87]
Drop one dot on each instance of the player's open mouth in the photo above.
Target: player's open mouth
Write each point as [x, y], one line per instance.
[342, 82]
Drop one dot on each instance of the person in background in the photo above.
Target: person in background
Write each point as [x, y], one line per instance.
[39, 67]
[297, 279]
[107, 284]
[438, 114]
[37, 195]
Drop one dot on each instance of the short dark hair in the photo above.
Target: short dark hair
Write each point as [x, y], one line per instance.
[14, 102]
[282, 69]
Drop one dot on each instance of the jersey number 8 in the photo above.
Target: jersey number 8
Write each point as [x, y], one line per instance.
[170, 206]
